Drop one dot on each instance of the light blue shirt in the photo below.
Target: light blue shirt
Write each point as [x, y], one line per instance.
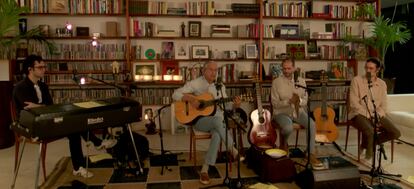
[200, 86]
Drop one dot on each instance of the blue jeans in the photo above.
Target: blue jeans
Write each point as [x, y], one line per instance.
[216, 127]
[285, 123]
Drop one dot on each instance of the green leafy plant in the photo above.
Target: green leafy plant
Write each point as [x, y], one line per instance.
[385, 33]
[10, 13]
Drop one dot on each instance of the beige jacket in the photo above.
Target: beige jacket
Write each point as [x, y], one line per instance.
[359, 89]
[282, 90]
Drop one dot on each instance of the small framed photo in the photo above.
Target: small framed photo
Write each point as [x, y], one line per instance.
[275, 69]
[144, 71]
[167, 50]
[169, 67]
[200, 51]
[194, 29]
[181, 51]
[251, 51]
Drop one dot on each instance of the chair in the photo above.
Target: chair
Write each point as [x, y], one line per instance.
[194, 136]
[297, 127]
[359, 133]
[19, 139]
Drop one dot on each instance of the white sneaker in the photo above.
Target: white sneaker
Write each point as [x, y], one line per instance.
[107, 143]
[82, 172]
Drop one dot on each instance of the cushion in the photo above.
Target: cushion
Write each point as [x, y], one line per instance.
[402, 118]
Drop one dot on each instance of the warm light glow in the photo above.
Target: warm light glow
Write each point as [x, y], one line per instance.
[82, 81]
[177, 77]
[146, 116]
[68, 26]
[156, 77]
[94, 43]
[167, 77]
[147, 77]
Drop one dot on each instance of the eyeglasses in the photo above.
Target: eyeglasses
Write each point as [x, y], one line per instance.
[40, 67]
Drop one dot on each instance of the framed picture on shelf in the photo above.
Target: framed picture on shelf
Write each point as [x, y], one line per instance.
[251, 51]
[167, 50]
[144, 69]
[200, 51]
[194, 29]
[181, 51]
[275, 69]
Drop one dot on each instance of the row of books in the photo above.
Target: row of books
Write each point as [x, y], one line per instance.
[334, 51]
[333, 93]
[346, 12]
[161, 7]
[81, 51]
[287, 9]
[68, 78]
[75, 6]
[83, 66]
[78, 95]
[250, 30]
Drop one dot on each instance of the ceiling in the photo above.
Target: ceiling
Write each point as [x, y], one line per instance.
[391, 3]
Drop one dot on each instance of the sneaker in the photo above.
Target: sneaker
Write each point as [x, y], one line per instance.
[82, 172]
[204, 179]
[316, 164]
[107, 143]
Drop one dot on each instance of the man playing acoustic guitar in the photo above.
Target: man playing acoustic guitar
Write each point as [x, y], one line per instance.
[288, 102]
[213, 124]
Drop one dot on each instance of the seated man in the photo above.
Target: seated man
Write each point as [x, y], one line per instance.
[213, 124]
[31, 93]
[288, 104]
[363, 117]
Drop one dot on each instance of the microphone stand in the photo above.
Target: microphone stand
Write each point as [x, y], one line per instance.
[308, 166]
[376, 171]
[227, 180]
[164, 159]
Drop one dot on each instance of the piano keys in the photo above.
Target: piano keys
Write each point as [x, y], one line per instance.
[61, 120]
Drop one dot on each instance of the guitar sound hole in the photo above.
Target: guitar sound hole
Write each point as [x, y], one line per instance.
[261, 119]
[202, 105]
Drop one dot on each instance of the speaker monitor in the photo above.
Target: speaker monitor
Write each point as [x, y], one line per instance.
[339, 178]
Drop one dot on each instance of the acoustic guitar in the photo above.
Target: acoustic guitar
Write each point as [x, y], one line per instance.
[326, 130]
[261, 134]
[185, 113]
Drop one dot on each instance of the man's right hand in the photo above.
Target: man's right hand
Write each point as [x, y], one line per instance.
[31, 105]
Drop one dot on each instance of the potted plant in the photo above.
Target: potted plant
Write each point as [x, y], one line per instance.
[10, 13]
[385, 33]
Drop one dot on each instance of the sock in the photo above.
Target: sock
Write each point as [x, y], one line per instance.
[204, 169]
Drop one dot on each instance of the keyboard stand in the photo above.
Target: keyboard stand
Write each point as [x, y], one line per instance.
[16, 171]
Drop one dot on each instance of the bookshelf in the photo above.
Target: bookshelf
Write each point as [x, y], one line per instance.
[225, 31]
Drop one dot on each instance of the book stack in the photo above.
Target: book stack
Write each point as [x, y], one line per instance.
[176, 11]
[223, 30]
[245, 9]
[167, 33]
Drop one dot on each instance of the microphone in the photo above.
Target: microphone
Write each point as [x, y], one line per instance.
[218, 85]
[368, 74]
[75, 76]
[296, 76]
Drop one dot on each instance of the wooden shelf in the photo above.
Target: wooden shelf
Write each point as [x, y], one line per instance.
[84, 38]
[70, 14]
[83, 60]
[280, 59]
[195, 38]
[195, 16]
[316, 18]
[193, 60]
[81, 72]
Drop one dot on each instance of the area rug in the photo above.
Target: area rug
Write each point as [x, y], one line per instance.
[179, 175]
